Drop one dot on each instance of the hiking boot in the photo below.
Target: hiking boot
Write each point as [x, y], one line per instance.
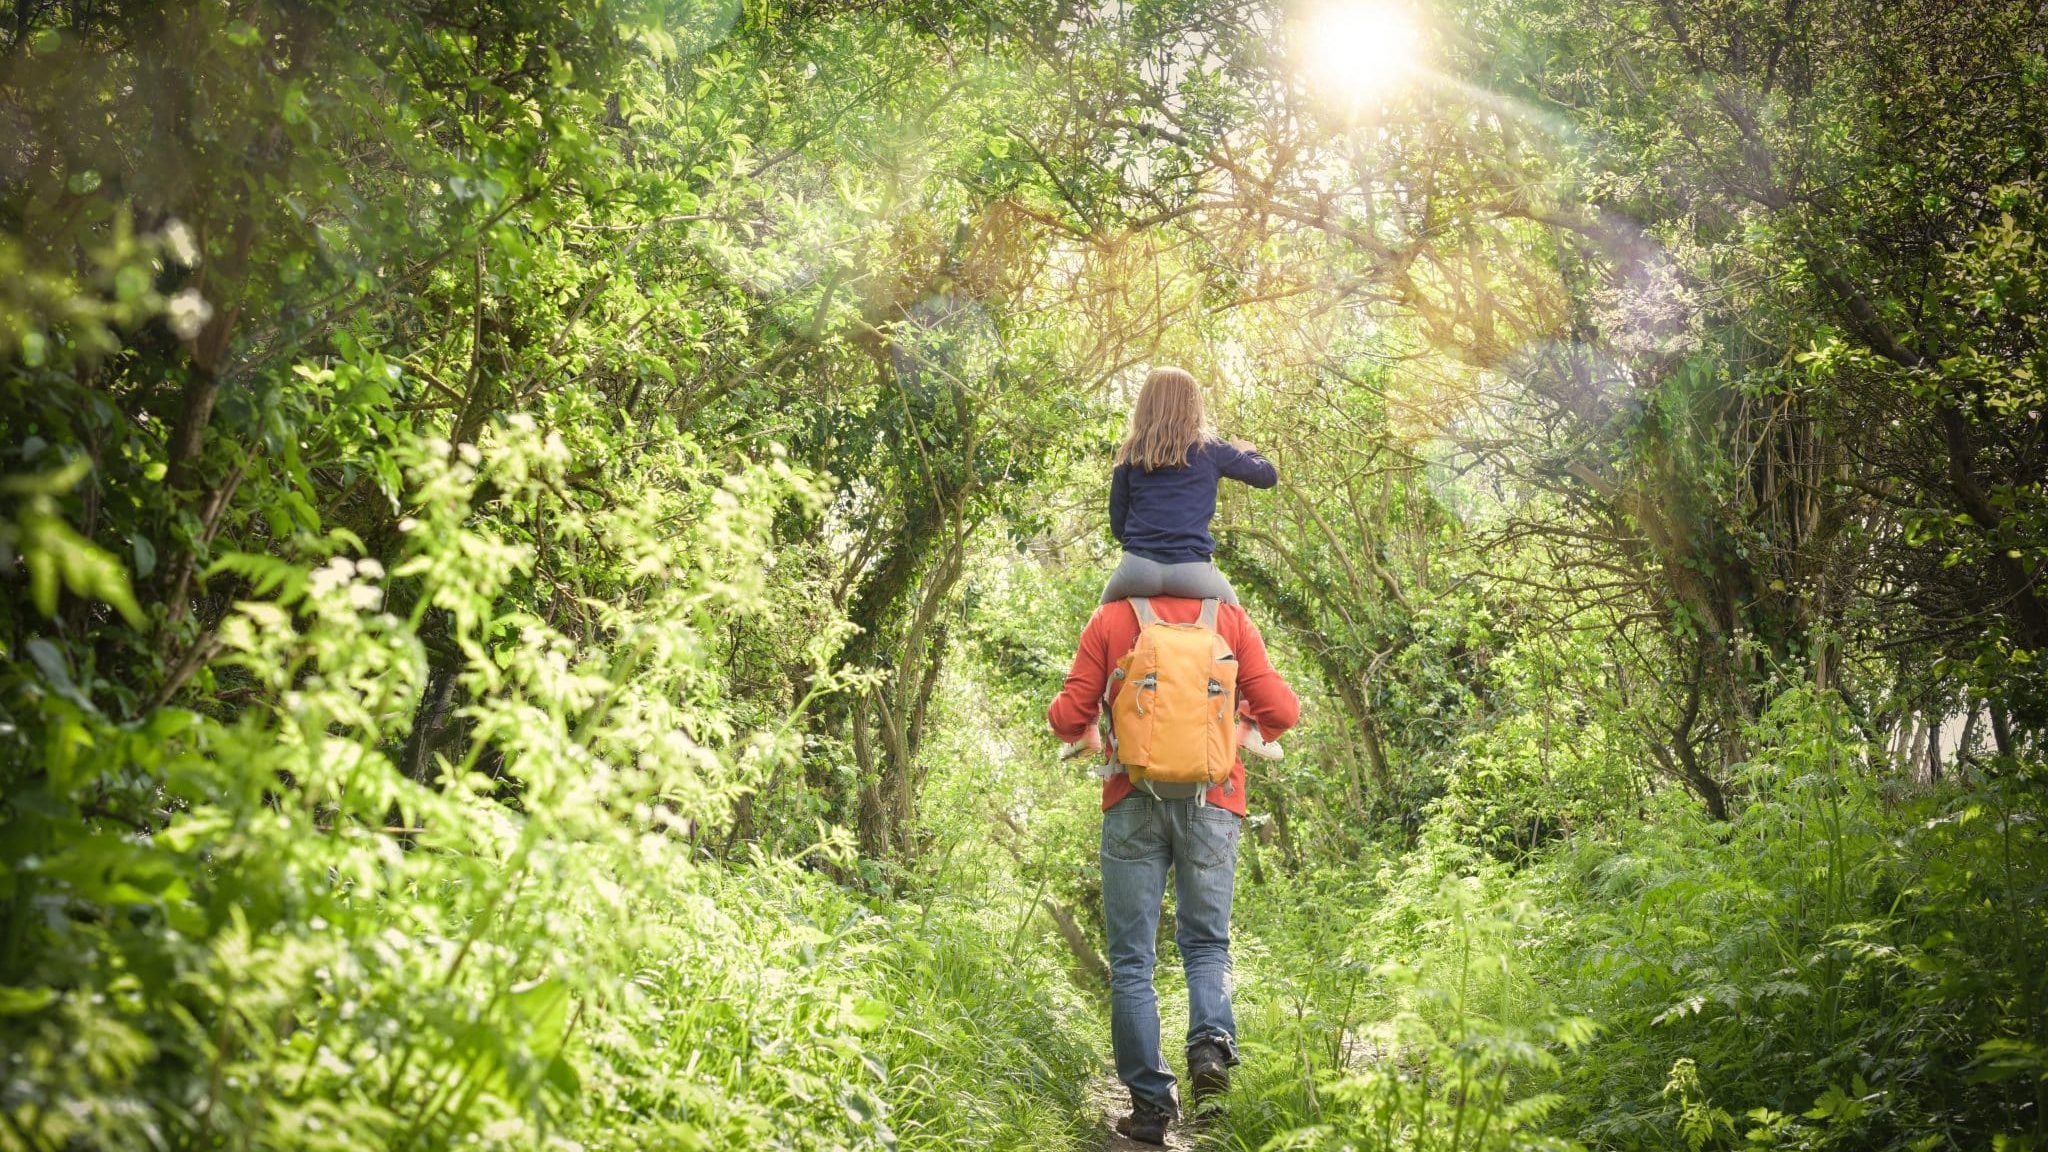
[1208, 1071]
[1146, 1124]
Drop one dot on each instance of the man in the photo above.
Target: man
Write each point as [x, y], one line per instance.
[1142, 836]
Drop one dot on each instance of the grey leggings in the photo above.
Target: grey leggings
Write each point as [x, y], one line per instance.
[1137, 576]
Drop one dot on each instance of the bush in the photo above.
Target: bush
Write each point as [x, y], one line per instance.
[251, 928]
[1836, 968]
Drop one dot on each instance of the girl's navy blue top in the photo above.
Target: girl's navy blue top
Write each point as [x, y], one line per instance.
[1164, 514]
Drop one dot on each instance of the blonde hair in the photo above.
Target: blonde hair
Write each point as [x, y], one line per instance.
[1166, 423]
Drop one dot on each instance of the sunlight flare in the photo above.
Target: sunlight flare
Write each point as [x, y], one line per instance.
[1360, 49]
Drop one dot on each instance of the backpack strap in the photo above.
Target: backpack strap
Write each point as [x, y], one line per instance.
[1142, 605]
[1209, 611]
[1107, 766]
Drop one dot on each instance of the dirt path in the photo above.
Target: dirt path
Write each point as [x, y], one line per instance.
[1112, 1103]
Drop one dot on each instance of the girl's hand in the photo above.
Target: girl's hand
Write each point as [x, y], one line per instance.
[1241, 445]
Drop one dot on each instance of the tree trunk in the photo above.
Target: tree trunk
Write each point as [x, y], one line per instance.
[1088, 961]
[1375, 754]
[1288, 860]
[416, 758]
[1094, 970]
[1935, 721]
[1684, 754]
[1969, 735]
[871, 810]
[188, 436]
[2001, 731]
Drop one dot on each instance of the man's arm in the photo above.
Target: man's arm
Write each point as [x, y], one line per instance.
[1272, 705]
[1074, 710]
[1119, 500]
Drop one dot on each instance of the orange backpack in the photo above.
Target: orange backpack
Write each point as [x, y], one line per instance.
[1173, 724]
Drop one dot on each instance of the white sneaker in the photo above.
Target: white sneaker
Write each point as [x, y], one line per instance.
[1257, 745]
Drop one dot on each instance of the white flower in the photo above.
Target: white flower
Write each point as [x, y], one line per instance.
[180, 243]
[336, 573]
[187, 313]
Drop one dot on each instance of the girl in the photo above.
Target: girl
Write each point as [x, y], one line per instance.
[1163, 495]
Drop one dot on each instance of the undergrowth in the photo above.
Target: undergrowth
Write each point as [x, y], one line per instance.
[249, 928]
[1837, 967]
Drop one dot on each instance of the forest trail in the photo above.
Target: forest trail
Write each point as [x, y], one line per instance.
[1108, 1100]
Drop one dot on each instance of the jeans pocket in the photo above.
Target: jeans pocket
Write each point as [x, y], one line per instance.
[1215, 836]
[1127, 832]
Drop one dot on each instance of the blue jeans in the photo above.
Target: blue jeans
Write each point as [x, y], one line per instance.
[1141, 838]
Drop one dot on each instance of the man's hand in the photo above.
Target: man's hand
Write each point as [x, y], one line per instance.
[1242, 445]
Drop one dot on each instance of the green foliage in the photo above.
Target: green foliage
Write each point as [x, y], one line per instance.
[1822, 961]
[53, 553]
[1560, 759]
[301, 942]
[1837, 969]
[1445, 1042]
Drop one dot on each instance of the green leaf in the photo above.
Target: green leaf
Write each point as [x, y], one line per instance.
[543, 1008]
[22, 1001]
[53, 483]
[145, 554]
[50, 662]
[865, 1014]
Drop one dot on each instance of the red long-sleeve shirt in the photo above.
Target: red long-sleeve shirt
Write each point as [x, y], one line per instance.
[1113, 631]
